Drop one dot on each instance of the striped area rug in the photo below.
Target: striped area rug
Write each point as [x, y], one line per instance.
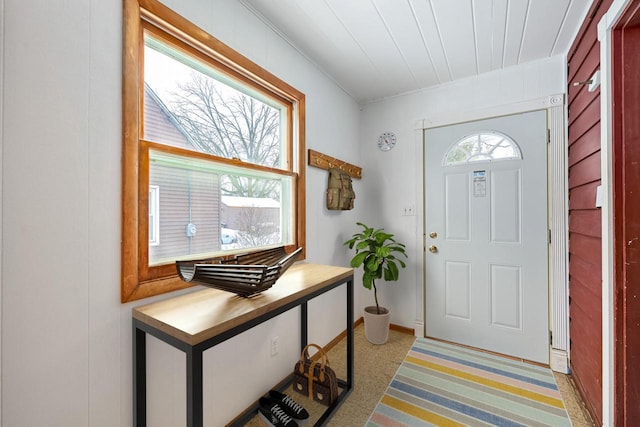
[445, 385]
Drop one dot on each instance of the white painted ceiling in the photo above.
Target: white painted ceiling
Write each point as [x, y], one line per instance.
[379, 48]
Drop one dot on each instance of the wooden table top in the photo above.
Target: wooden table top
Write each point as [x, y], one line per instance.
[195, 317]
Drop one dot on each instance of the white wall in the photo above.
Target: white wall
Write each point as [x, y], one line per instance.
[393, 179]
[1, 150]
[66, 339]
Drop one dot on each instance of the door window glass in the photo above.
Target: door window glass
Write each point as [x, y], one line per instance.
[482, 147]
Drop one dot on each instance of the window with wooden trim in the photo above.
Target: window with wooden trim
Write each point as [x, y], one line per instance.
[213, 151]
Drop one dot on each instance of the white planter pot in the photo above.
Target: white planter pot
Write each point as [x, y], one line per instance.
[376, 326]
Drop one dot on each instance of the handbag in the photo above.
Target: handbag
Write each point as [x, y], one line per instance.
[315, 379]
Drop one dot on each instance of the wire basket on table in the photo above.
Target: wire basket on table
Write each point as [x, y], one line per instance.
[245, 274]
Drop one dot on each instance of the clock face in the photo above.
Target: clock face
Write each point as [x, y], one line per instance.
[386, 141]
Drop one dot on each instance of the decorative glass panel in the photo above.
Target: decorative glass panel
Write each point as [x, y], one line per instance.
[482, 147]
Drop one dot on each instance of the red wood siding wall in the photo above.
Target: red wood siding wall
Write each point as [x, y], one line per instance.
[626, 158]
[585, 240]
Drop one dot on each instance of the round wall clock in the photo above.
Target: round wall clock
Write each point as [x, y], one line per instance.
[386, 141]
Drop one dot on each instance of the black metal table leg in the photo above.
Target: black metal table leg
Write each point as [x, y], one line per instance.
[350, 344]
[304, 326]
[139, 377]
[194, 388]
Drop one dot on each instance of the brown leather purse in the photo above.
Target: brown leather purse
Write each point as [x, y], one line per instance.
[314, 377]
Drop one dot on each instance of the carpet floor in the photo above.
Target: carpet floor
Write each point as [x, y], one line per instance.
[376, 365]
[446, 385]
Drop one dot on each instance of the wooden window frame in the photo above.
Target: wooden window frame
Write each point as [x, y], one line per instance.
[139, 280]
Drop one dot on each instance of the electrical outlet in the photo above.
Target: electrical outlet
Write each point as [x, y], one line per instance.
[275, 345]
[408, 210]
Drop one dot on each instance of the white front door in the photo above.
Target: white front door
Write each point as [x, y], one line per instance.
[487, 235]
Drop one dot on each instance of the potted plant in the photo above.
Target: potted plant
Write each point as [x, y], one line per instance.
[376, 252]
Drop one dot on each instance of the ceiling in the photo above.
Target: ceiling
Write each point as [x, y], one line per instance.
[379, 48]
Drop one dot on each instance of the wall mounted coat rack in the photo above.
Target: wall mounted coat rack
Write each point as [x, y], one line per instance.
[323, 161]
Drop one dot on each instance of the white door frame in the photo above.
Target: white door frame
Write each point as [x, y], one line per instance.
[558, 214]
[605, 27]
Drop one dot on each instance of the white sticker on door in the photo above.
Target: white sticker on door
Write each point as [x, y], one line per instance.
[479, 184]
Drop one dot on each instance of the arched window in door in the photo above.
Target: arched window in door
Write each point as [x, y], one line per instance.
[483, 146]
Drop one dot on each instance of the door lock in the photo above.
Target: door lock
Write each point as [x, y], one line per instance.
[433, 249]
[433, 234]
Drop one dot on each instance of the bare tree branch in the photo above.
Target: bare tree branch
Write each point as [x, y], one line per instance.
[230, 124]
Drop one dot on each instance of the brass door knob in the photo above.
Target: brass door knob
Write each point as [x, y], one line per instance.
[433, 234]
[433, 249]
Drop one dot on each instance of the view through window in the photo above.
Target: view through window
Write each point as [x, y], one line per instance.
[207, 206]
[215, 158]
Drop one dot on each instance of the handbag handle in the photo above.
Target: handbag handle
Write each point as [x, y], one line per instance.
[324, 360]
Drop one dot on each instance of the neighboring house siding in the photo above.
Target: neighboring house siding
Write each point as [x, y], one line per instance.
[585, 240]
[241, 213]
[159, 126]
[238, 218]
[185, 196]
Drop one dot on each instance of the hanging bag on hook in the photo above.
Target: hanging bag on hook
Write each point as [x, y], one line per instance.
[340, 195]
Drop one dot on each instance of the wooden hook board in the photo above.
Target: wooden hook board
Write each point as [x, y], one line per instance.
[323, 161]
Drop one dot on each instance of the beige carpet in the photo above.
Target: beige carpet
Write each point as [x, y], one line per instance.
[375, 366]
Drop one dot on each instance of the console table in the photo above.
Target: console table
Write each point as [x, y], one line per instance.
[197, 321]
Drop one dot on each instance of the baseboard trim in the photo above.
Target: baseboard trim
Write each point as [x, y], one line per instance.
[559, 361]
[419, 329]
[402, 329]
[360, 321]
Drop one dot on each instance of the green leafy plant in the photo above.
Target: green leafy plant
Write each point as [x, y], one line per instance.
[376, 251]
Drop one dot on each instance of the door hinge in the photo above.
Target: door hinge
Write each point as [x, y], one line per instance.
[550, 337]
[549, 236]
[548, 136]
